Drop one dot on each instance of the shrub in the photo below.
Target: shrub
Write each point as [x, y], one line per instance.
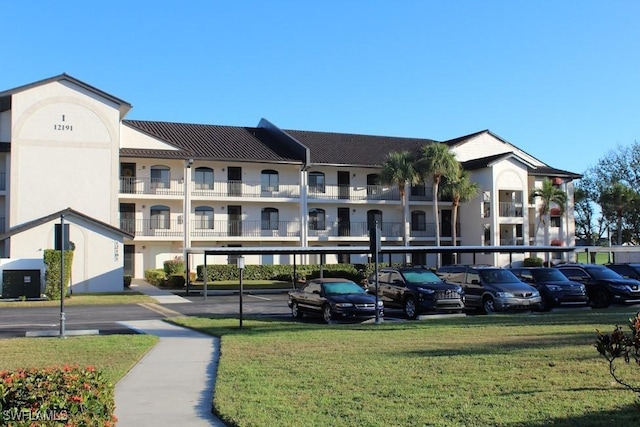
[619, 345]
[127, 281]
[53, 396]
[155, 277]
[174, 266]
[176, 281]
[52, 274]
[532, 262]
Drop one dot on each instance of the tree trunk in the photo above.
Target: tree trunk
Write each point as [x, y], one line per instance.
[437, 219]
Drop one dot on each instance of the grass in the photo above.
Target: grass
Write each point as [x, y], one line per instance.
[502, 370]
[114, 355]
[86, 299]
[601, 257]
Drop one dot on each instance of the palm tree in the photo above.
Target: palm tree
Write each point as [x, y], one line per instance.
[549, 195]
[398, 168]
[461, 190]
[435, 163]
[616, 200]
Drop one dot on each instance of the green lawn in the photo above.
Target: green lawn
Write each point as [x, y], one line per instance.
[114, 355]
[501, 370]
[601, 258]
[128, 297]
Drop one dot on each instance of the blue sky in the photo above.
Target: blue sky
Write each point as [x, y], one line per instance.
[559, 79]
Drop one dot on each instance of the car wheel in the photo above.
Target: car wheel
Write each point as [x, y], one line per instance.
[601, 299]
[295, 311]
[410, 308]
[488, 305]
[545, 305]
[326, 313]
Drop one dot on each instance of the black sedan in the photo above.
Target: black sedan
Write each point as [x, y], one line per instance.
[554, 287]
[333, 299]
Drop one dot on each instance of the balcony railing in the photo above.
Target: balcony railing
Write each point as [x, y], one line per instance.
[203, 228]
[260, 229]
[175, 187]
[516, 241]
[3, 181]
[510, 209]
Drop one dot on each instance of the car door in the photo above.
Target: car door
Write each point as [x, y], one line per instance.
[310, 299]
[395, 291]
[473, 288]
[384, 287]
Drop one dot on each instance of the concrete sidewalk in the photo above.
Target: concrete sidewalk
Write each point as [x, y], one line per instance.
[173, 384]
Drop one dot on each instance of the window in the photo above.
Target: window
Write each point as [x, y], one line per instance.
[555, 221]
[159, 217]
[269, 180]
[316, 182]
[486, 241]
[270, 219]
[418, 221]
[203, 179]
[204, 218]
[160, 177]
[373, 184]
[317, 219]
[486, 204]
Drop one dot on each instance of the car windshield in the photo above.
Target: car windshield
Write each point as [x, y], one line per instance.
[603, 273]
[342, 288]
[421, 276]
[548, 275]
[497, 276]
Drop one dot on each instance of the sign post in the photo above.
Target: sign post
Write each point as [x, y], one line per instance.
[374, 244]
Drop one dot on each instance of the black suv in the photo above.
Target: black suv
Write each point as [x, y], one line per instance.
[628, 271]
[416, 290]
[554, 287]
[604, 286]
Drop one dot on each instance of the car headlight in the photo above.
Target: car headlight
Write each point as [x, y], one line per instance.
[504, 294]
[618, 286]
[426, 290]
[459, 290]
[554, 288]
[535, 294]
[380, 304]
[344, 304]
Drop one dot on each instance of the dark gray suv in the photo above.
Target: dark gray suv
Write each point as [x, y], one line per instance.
[416, 290]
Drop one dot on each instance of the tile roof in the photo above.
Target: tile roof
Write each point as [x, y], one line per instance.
[213, 142]
[352, 149]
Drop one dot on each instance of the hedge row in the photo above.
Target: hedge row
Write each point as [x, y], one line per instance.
[68, 395]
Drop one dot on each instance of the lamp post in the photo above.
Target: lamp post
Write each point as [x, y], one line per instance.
[62, 247]
[241, 268]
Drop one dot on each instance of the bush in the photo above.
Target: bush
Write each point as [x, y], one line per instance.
[532, 262]
[127, 281]
[174, 266]
[54, 396]
[619, 345]
[155, 277]
[176, 281]
[52, 274]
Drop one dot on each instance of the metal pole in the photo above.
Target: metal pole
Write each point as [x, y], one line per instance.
[206, 273]
[241, 268]
[62, 247]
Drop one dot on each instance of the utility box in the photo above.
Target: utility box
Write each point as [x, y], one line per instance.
[21, 283]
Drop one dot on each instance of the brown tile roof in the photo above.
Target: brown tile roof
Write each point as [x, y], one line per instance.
[352, 149]
[213, 142]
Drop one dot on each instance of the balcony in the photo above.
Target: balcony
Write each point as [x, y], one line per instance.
[213, 229]
[517, 241]
[346, 192]
[510, 209]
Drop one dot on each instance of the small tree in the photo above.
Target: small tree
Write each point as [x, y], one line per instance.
[462, 190]
[619, 345]
[52, 273]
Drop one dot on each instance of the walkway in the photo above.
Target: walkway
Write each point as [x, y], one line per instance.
[173, 383]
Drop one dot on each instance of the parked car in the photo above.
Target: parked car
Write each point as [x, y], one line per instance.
[416, 290]
[629, 271]
[333, 299]
[604, 286]
[554, 287]
[491, 289]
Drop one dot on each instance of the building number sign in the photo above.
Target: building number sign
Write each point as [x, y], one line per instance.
[63, 126]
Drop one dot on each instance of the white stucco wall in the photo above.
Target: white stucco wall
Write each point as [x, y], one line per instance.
[65, 153]
[97, 258]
